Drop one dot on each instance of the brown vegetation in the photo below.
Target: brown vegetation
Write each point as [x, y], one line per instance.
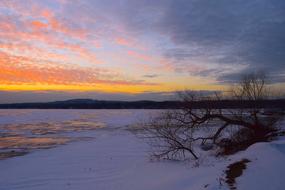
[235, 170]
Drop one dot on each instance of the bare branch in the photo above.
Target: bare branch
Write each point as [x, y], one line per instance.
[176, 132]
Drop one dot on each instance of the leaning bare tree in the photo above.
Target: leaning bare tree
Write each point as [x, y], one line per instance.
[229, 124]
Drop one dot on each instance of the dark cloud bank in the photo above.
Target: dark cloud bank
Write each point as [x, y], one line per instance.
[236, 32]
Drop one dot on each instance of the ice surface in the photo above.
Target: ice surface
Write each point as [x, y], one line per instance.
[114, 159]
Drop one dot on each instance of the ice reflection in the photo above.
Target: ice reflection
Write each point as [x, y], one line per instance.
[21, 142]
[48, 128]
[19, 139]
[22, 131]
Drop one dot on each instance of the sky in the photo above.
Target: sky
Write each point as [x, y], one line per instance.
[135, 49]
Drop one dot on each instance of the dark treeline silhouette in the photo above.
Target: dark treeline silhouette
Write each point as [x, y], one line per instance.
[102, 104]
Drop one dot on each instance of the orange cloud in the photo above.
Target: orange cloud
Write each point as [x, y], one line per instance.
[59, 26]
[37, 46]
[129, 42]
[31, 9]
[25, 49]
[28, 41]
[47, 14]
[38, 24]
[23, 71]
[123, 41]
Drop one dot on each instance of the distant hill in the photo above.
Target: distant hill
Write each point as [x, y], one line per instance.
[144, 104]
[94, 104]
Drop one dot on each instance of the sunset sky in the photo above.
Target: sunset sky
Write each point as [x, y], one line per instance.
[135, 49]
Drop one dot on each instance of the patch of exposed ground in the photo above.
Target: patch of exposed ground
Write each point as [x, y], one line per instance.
[235, 170]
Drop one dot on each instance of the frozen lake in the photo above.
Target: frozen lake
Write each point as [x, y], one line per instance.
[22, 131]
[92, 149]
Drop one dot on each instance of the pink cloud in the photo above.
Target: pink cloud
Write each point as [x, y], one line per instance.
[23, 70]
[140, 56]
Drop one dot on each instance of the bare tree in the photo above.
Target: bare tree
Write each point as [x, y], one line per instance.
[204, 120]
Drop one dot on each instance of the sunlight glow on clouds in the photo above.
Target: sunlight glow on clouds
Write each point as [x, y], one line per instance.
[137, 46]
[41, 49]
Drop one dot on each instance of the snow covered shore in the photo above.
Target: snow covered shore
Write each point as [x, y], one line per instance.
[114, 159]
